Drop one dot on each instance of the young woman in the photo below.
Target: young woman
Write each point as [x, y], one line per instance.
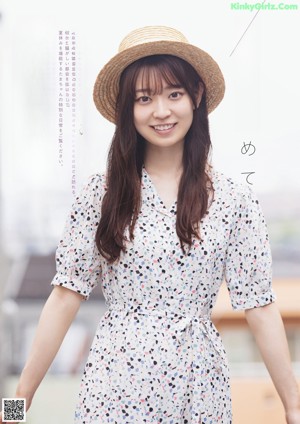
[160, 231]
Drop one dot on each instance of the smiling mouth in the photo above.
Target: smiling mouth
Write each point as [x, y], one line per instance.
[164, 127]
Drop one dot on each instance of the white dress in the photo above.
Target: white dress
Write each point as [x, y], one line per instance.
[156, 356]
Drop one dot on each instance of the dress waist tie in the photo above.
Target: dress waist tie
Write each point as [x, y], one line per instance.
[182, 322]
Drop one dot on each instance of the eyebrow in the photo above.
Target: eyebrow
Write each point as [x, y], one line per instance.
[148, 90]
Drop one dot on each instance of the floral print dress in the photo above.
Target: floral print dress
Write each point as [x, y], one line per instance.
[156, 356]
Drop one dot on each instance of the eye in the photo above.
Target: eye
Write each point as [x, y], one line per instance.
[143, 99]
[176, 94]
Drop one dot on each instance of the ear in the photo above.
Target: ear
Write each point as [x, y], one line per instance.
[199, 94]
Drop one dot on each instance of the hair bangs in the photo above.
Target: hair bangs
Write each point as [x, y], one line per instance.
[153, 77]
[154, 71]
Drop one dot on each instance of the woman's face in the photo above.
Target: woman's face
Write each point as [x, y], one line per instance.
[163, 118]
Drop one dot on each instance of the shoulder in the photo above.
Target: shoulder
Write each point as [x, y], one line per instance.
[229, 186]
[93, 189]
[231, 192]
[96, 181]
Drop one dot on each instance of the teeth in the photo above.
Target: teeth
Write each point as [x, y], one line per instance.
[163, 127]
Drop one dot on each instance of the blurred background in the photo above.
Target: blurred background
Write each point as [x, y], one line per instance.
[52, 138]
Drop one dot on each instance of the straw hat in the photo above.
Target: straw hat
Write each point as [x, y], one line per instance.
[152, 40]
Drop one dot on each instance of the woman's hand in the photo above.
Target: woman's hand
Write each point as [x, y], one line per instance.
[1, 421]
[4, 422]
[268, 329]
[28, 403]
[56, 318]
[293, 416]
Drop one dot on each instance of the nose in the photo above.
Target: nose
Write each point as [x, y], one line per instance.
[161, 109]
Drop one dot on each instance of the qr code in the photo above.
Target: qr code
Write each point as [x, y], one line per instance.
[14, 410]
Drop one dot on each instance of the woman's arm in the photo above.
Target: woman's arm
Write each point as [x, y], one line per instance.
[56, 318]
[267, 327]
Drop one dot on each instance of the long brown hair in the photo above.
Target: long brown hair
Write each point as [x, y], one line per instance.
[122, 201]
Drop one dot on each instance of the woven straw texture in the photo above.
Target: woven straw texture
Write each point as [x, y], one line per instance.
[149, 41]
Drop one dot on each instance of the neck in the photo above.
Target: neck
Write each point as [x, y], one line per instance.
[164, 161]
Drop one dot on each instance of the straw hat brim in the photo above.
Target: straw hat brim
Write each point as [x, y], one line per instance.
[107, 83]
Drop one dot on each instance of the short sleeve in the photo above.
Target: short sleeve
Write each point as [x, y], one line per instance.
[78, 265]
[248, 266]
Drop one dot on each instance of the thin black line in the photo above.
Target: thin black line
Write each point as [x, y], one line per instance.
[246, 30]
